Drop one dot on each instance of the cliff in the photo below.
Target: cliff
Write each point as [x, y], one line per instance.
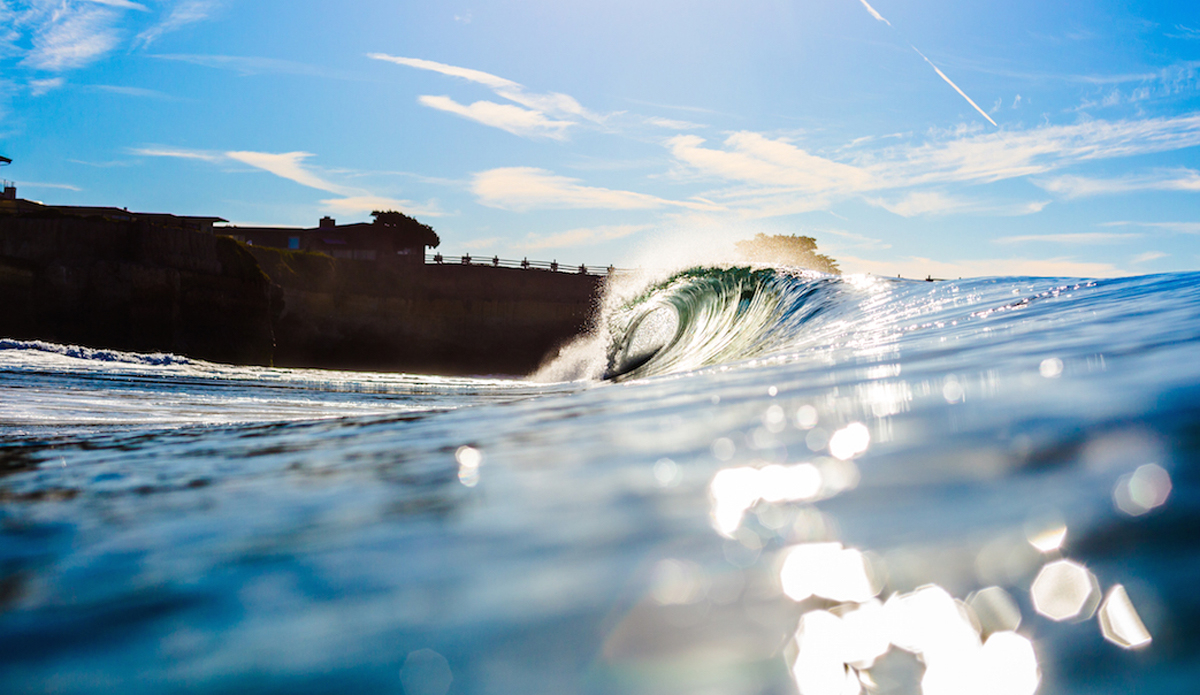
[444, 319]
[106, 278]
[132, 285]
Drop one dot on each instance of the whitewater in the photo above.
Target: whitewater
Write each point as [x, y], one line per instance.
[749, 480]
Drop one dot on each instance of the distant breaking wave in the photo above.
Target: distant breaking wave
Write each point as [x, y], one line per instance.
[85, 353]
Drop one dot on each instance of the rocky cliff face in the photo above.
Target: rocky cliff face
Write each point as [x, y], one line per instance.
[448, 319]
[133, 286]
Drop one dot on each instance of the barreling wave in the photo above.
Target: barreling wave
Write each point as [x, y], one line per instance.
[706, 316]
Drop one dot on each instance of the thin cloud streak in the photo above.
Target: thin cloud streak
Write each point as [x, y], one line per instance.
[584, 236]
[255, 65]
[1079, 238]
[514, 119]
[1178, 227]
[177, 153]
[182, 14]
[291, 166]
[1080, 187]
[924, 203]
[536, 115]
[521, 189]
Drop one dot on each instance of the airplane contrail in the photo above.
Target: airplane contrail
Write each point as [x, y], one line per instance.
[876, 15]
[949, 82]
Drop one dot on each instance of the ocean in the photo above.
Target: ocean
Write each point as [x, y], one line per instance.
[751, 480]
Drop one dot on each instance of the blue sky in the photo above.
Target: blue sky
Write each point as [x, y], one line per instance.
[944, 138]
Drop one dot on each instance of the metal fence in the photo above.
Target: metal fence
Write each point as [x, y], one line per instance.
[523, 264]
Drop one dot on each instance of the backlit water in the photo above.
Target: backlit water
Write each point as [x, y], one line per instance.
[789, 483]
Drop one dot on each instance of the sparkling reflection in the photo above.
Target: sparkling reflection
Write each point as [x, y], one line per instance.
[1119, 621]
[469, 459]
[736, 490]
[1065, 589]
[827, 570]
[1144, 489]
[851, 440]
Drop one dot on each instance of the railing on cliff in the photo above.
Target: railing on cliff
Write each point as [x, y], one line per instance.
[523, 264]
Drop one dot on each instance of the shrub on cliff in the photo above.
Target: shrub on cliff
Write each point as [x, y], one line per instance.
[407, 225]
[779, 249]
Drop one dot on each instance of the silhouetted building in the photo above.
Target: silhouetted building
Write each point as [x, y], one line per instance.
[361, 241]
[11, 204]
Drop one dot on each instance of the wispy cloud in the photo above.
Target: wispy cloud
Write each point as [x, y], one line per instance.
[123, 4]
[923, 203]
[39, 87]
[73, 36]
[1082, 238]
[177, 153]
[1167, 180]
[856, 240]
[1184, 32]
[779, 164]
[536, 114]
[1149, 256]
[582, 236]
[290, 165]
[772, 176]
[293, 167]
[140, 92]
[1177, 227]
[59, 186]
[672, 124]
[527, 188]
[255, 65]
[514, 119]
[182, 14]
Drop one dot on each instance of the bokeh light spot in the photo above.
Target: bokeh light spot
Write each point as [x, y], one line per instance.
[1144, 489]
[827, 570]
[851, 440]
[1119, 621]
[1051, 368]
[1063, 590]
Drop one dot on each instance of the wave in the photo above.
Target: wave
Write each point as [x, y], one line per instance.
[157, 359]
[706, 316]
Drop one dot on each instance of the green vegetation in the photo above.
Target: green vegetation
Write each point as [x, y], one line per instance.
[402, 222]
[290, 268]
[798, 251]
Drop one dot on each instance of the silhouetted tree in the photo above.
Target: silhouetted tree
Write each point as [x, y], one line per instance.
[408, 225]
[799, 251]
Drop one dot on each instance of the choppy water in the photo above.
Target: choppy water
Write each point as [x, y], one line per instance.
[791, 483]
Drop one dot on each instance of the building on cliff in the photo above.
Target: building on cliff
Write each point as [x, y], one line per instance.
[356, 296]
[393, 239]
[10, 204]
[147, 282]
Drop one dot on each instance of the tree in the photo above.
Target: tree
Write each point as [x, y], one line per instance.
[799, 251]
[407, 225]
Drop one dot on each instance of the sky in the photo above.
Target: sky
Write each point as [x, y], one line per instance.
[952, 139]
